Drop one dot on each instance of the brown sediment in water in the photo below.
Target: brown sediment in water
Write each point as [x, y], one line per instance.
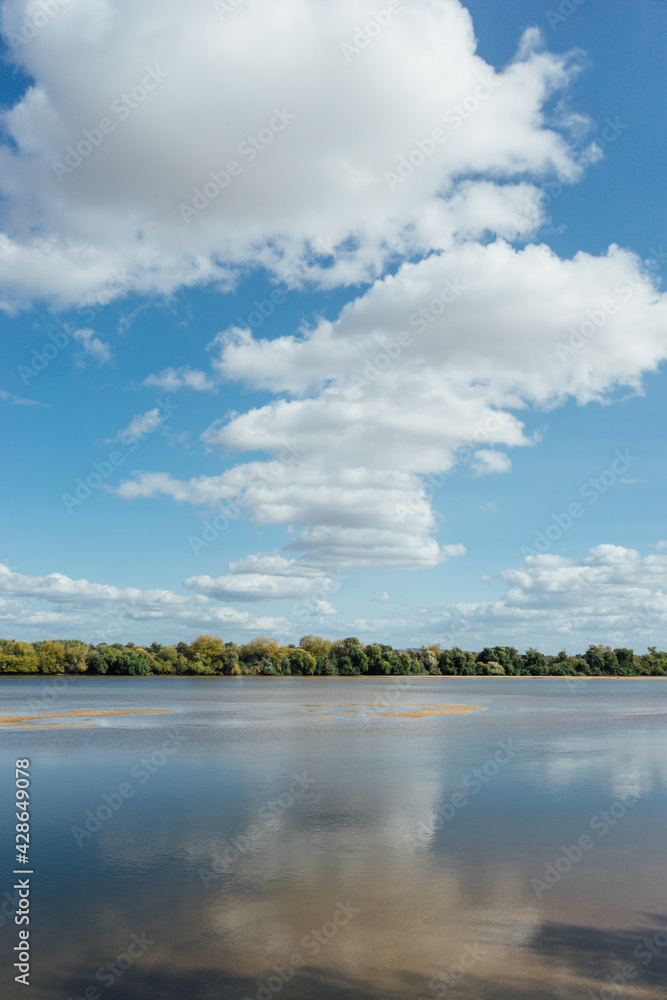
[25, 721]
[425, 712]
[422, 711]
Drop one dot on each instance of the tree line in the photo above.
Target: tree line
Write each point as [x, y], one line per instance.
[315, 656]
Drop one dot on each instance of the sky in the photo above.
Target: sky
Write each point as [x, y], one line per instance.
[333, 318]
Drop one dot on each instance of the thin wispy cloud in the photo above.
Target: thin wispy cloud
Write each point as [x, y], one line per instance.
[172, 379]
[8, 397]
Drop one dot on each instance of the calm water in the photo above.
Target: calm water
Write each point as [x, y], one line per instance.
[374, 853]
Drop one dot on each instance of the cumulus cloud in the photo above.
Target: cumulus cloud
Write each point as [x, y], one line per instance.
[523, 324]
[324, 608]
[263, 576]
[610, 595]
[462, 342]
[453, 551]
[172, 379]
[413, 152]
[254, 586]
[101, 607]
[98, 185]
[486, 460]
[352, 518]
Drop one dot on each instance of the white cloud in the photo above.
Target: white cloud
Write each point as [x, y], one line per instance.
[267, 575]
[378, 628]
[428, 368]
[486, 460]
[611, 595]
[489, 317]
[172, 379]
[453, 551]
[139, 426]
[255, 586]
[9, 397]
[324, 608]
[328, 134]
[413, 378]
[351, 517]
[272, 564]
[103, 608]
[97, 349]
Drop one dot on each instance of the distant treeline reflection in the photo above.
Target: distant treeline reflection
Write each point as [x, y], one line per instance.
[315, 656]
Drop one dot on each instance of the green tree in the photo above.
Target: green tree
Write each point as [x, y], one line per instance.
[460, 662]
[198, 667]
[119, 660]
[534, 662]
[594, 657]
[626, 661]
[301, 661]
[654, 663]
[507, 656]
[165, 660]
[429, 657]
[357, 654]
[610, 661]
[493, 668]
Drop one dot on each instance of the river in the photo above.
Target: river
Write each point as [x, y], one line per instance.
[311, 838]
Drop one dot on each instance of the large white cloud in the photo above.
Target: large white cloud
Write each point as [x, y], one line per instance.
[525, 324]
[155, 102]
[411, 151]
[423, 371]
[349, 516]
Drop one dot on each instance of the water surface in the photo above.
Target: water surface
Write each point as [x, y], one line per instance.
[307, 838]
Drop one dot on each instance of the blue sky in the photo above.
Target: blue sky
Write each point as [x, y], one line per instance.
[265, 433]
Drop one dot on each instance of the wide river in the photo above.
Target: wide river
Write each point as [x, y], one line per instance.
[307, 838]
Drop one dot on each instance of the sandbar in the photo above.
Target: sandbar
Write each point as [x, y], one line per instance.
[27, 720]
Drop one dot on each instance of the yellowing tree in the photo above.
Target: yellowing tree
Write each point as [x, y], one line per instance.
[207, 648]
[316, 645]
[18, 658]
[52, 657]
[260, 647]
[76, 655]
